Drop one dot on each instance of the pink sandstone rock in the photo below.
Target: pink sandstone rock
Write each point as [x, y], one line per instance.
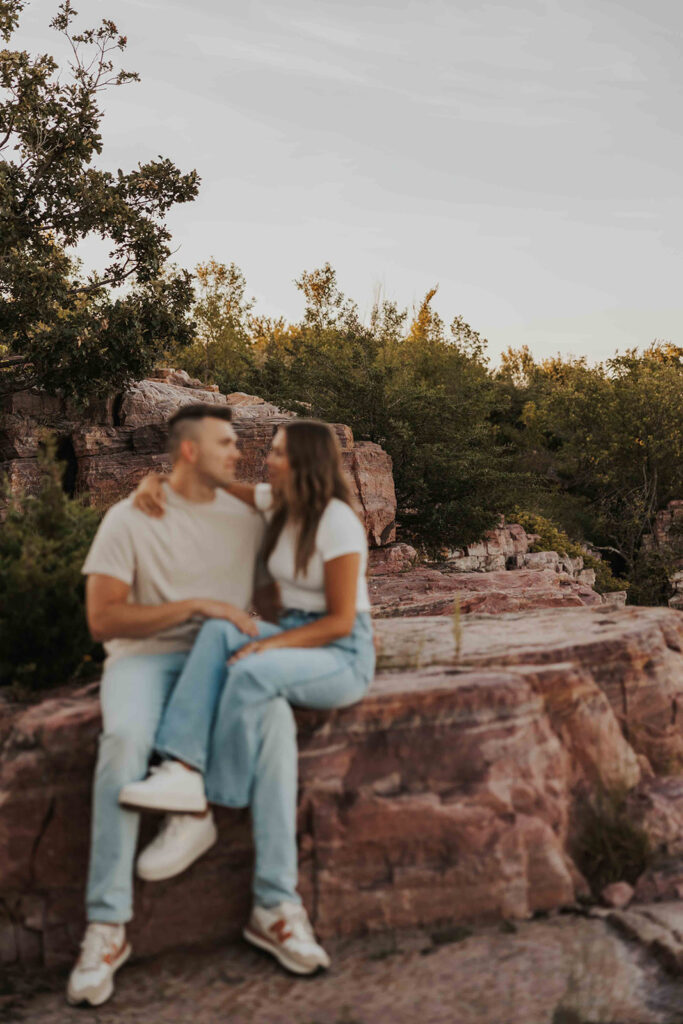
[449, 794]
[500, 548]
[391, 558]
[246, 406]
[430, 591]
[617, 895]
[115, 443]
[151, 401]
[634, 655]
[370, 470]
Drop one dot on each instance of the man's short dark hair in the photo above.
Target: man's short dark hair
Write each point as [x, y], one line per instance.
[180, 424]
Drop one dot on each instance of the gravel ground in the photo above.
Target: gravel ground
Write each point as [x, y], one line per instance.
[566, 970]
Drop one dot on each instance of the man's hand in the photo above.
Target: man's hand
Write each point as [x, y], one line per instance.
[149, 495]
[110, 616]
[210, 609]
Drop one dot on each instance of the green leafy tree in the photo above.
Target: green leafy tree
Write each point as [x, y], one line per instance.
[59, 327]
[422, 392]
[43, 543]
[606, 445]
[222, 351]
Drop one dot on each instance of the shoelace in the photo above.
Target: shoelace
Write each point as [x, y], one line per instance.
[94, 946]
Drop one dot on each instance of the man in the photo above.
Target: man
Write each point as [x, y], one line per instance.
[151, 583]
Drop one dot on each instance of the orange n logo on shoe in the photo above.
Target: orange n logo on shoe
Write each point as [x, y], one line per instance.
[114, 954]
[280, 930]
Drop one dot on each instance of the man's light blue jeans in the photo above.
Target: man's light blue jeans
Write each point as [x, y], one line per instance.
[252, 755]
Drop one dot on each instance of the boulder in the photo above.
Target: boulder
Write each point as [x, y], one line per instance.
[113, 444]
[431, 590]
[152, 401]
[370, 470]
[617, 895]
[449, 794]
[634, 655]
[392, 558]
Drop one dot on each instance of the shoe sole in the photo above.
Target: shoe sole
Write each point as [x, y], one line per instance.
[98, 996]
[180, 866]
[149, 802]
[279, 954]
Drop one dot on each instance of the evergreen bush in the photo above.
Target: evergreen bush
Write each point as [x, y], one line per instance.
[44, 640]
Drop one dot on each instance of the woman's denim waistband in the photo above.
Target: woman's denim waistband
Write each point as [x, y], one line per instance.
[357, 641]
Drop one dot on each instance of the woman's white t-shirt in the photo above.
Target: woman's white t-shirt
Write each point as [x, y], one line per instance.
[340, 532]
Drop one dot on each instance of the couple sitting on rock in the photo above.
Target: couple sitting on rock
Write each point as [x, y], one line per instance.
[191, 676]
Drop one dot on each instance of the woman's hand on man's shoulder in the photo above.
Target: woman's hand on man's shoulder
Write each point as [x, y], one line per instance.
[149, 497]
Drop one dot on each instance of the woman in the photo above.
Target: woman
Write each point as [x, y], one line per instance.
[319, 654]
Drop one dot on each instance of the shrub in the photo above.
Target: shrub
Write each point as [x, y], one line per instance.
[44, 640]
[609, 846]
[552, 538]
[654, 566]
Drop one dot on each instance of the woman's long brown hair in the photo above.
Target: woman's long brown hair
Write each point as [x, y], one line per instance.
[316, 477]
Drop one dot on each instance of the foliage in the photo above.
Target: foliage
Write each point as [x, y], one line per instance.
[43, 543]
[594, 450]
[220, 351]
[610, 847]
[80, 334]
[611, 434]
[654, 566]
[421, 391]
[552, 538]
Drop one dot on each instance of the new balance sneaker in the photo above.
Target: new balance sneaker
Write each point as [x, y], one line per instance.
[181, 840]
[286, 932]
[103, 950]
[169, 787]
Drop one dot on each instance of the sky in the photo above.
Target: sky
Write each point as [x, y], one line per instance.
[525, 157]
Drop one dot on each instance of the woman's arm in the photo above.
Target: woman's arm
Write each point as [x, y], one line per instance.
[341, 583]
[245, 492]
[149, 494]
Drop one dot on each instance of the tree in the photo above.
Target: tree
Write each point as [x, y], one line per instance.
[608, 440]
[59, 327]
[221, 351]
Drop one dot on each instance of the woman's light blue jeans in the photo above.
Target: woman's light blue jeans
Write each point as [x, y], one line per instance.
[221, 719]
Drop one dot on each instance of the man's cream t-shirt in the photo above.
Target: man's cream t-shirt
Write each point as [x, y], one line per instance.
[196, 549]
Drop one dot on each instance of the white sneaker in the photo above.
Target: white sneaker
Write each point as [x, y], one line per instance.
[168, 787]
[103, 950]
[181, 840]
[286, 932]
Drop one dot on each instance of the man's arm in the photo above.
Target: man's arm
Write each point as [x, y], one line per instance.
[110, 616]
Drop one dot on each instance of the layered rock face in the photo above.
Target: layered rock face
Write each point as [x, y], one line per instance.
[430, 591]
[113, 444]
[498, 574]
[451, 793]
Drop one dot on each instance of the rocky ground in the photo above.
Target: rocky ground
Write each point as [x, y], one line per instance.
[622, 968]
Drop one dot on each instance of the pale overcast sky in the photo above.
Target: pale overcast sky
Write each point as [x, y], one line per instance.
[526, 157]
